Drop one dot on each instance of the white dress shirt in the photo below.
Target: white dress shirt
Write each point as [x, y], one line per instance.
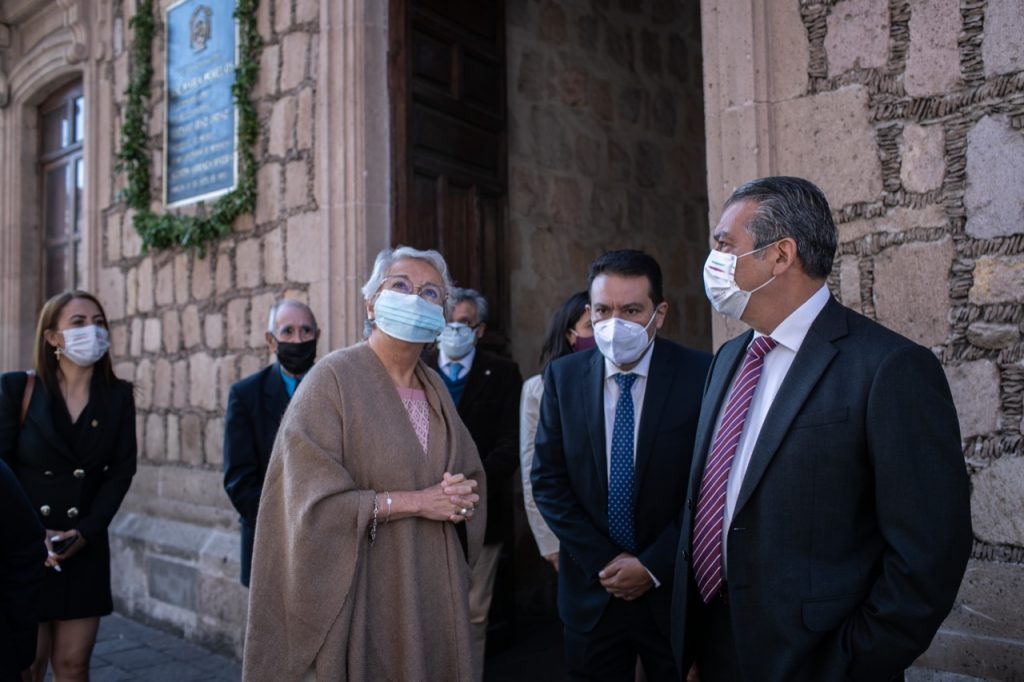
[790, 336]
[466, 361]
[611, 399]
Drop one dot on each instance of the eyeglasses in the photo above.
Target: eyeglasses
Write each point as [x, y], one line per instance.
[429, 292]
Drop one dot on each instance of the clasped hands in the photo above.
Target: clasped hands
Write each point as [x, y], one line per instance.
[453, 499]
[625, 577]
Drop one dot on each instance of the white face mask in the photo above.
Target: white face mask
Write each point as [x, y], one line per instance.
[622, 341]
[84, 346]
[720, 283]
[457, 340]
[407, 317]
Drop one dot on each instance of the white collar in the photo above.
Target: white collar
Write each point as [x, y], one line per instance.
[466, 360]
[792, 330]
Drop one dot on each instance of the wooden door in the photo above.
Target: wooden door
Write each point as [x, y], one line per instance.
[447, 81]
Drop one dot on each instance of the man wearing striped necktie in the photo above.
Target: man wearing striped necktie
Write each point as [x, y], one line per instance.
[827, 522]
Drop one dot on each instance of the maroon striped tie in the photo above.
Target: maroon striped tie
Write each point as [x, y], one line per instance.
[707, 528]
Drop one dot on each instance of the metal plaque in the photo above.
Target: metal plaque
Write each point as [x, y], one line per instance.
[201, 134]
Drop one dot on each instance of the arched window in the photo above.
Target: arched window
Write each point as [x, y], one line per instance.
[62, 130]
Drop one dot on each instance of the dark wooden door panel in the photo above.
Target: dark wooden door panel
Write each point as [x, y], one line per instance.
[447, 78]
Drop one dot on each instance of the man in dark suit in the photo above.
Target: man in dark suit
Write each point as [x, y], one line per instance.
[612, 457]
[255, 407]
[827, 521]
[485, 389]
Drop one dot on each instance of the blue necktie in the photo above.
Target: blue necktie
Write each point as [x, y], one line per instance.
[620, 482]
[454, 368]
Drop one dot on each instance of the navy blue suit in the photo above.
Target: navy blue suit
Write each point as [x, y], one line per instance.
[255, 407]
[570, 476]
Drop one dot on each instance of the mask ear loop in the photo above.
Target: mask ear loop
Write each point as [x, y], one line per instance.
[772, 279]
[650, 341]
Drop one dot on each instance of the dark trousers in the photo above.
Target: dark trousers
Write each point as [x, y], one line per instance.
[608, 653]
[715, 644]
[717, 658]
[245, 560]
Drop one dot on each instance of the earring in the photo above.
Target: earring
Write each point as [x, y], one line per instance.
[57, 353]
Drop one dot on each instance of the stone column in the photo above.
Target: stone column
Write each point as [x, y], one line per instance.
[353, 175]
[754, 58]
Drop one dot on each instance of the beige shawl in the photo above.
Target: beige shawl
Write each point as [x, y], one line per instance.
[322, 599]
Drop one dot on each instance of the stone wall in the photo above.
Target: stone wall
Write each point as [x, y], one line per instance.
[606, 150]
[910, 116]
[185, 327]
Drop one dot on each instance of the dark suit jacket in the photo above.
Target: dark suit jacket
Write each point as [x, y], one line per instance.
[255, 407]
[22, 554]
[489, 408]
[78, 487]
[570, 473]
[852, 528]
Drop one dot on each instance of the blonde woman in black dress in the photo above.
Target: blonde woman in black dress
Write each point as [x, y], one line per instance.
[74, 454]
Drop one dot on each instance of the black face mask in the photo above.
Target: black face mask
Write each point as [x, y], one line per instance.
[296, 358]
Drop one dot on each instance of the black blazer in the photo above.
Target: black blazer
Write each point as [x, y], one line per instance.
[489, 408]
[80, 487]
[570, 473]
[82, 492]
[22, 554]
[255, 407]
[852, 528]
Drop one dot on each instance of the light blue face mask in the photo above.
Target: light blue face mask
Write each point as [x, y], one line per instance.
[408, 317]
[457, 340]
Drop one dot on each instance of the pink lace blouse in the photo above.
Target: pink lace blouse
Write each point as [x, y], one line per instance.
[415, 401]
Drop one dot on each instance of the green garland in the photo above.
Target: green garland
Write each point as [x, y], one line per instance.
[167, 230]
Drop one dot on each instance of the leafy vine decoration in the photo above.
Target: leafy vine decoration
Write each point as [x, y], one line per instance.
[161, 231]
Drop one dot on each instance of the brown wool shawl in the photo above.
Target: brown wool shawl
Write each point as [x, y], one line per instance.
[322, 599]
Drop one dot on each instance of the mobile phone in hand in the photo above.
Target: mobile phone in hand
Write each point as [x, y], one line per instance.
[61, 545]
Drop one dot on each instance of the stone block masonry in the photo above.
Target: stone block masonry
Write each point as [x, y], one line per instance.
[606, 151]
[924, 177]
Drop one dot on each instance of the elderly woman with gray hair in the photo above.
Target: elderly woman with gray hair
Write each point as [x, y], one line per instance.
[370, 514]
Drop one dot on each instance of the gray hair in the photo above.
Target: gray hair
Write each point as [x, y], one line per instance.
[287, 303]
[388, 257]
[795, 208]
[473, 296]
[385, 261]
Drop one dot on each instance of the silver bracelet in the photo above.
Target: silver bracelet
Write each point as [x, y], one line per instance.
[373, 523]
[387, 498]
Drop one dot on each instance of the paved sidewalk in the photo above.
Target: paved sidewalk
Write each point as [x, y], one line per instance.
[129, 651]
[126, 650]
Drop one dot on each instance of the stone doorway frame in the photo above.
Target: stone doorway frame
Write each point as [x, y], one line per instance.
[353, 160]
[755, 56]
[59, 57]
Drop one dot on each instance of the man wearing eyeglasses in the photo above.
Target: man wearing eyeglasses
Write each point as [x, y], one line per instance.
[255, 407]
[485, 388]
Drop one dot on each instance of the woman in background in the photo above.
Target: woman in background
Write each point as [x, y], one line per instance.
[568, 331]
[74, 454]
